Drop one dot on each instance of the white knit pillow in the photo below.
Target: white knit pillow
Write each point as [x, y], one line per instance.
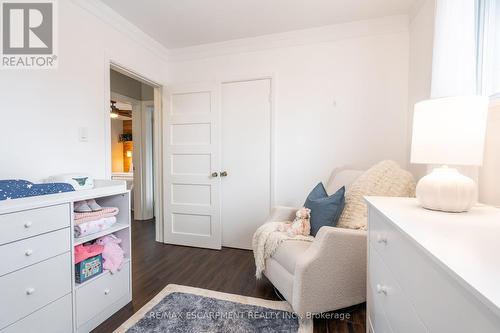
[385, 178]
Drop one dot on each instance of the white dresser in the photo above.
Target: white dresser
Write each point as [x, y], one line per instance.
[432, 271]
[38, 292]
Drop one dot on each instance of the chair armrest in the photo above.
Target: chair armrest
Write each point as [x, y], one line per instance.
[331, 274]
[282, 213]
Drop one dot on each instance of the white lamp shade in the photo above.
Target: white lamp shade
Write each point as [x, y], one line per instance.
[449, 131]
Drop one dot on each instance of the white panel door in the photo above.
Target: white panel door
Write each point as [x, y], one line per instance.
[246, 157]
[192, 202]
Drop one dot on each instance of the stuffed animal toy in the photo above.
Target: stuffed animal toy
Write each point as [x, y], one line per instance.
[112, 253]
[300, 226]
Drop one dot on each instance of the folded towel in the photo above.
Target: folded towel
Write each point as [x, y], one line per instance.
[83, 252]
[91, 227]
[92, 216]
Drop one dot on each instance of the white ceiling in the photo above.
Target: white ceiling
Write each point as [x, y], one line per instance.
[181, 23]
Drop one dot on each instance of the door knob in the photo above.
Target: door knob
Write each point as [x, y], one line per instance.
[215, 174]
[381, 289]
[382, 239]
[223, 174]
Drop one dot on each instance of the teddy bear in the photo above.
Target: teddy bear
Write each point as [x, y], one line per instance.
[300, 225]
[112, 253]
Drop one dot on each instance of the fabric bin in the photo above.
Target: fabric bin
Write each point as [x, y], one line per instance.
[88, 268]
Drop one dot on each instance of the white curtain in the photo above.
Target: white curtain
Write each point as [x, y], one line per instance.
[489, 47]
[454, 59]
[454, 54]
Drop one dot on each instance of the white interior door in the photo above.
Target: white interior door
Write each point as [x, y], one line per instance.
[142, 129]
[192, 202]
[147, 189]
[246, 157]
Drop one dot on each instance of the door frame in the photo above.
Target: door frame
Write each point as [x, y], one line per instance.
[222, 79]
[160, 94]
[140, 145]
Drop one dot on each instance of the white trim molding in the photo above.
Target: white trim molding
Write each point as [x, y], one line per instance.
[119, 23]
[356, 29]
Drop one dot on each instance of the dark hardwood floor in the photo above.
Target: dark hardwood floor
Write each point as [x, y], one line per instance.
[229, 270]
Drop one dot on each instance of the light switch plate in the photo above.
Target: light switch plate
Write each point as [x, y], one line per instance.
[83, 134]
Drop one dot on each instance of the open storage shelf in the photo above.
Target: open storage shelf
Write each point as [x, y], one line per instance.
[104, 273]
[93, 305]
[114, 228]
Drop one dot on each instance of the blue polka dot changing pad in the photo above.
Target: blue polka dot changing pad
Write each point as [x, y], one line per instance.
[18, 188]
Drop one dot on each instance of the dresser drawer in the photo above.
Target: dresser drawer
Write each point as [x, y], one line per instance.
[380, 233]
[377, 321]
[32, 222]
[32, 250]
[96, 295]
[386, 291]
[54, 318]
[440, 301]
[31, 288]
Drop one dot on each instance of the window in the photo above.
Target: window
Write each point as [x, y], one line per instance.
[488, 65]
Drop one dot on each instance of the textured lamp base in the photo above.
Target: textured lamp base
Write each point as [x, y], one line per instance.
[447, 190]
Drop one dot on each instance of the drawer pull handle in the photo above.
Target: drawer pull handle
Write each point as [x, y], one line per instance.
[28, 252]
[382, 239]
[28, 224]
[381, 289]
[106, 291]
[30, 291]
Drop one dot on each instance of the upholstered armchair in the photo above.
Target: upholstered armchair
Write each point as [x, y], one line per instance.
[326, 274]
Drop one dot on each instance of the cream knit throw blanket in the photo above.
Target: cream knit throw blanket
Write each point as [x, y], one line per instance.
[386, 179]
[265, 242]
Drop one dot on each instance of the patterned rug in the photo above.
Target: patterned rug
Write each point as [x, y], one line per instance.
[181, 309]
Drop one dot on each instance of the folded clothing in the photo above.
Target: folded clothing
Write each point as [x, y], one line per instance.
[18, 188]
[83, 252]
[92, 216]
[91, 227]
[86, 206]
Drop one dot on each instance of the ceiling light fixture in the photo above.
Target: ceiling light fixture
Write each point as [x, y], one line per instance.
[113, 113]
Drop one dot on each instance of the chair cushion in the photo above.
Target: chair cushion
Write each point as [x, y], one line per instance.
[325, 210]
[288, 252]
[342, 176]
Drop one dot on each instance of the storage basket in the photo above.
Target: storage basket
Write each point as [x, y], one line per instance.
[88, 268]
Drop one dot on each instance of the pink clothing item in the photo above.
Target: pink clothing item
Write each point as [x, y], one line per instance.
[92, 216]
[112, 254]
[83, 252]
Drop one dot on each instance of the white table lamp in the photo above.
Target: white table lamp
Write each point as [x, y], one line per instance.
[449, 131]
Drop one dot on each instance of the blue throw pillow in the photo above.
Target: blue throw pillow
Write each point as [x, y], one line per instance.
[325, 210]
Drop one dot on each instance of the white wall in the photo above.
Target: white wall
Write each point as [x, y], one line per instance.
[127, 86]
[420, 71]
[489, 175]
[341, 94]
[42, 110]
[124, 85]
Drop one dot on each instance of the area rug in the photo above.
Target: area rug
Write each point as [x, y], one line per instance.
[182, 309]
